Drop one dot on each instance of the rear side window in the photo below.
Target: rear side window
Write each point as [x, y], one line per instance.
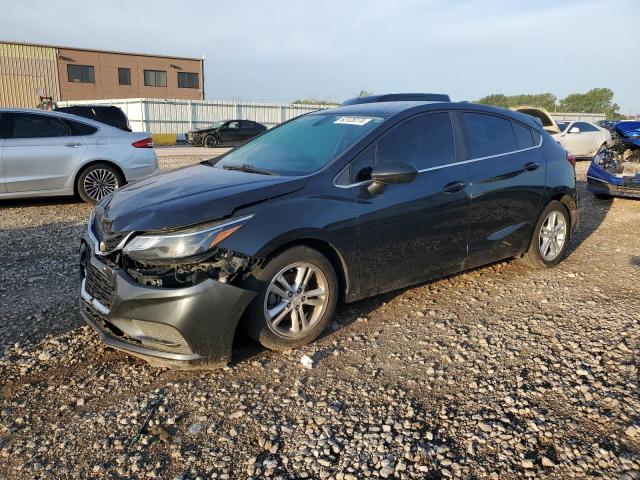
[425, 141]
[524, 135]
[585, 127]
[110, 116]
[80, 129]
[488, 134]
[29, 125]
[246, 125]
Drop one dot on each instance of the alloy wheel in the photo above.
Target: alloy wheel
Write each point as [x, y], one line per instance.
[100, 182]
[553, 235]
[296, 299]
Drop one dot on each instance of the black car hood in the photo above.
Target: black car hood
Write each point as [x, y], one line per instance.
[189, 196]
[202, 130]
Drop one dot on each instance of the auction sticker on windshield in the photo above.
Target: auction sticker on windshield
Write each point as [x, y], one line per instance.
[359, 121]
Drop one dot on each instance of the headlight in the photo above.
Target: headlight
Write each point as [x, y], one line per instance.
[182, 244]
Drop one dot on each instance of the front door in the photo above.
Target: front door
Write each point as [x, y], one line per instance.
[230, 132]
[507, 173]
[412, 232]
[39, 152]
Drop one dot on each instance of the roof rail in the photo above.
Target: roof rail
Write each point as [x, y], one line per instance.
[399, 97]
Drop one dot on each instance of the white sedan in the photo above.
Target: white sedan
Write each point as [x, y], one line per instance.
[582, 139]
[53, 154]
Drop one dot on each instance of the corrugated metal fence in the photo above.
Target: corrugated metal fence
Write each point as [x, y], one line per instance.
[180, 116]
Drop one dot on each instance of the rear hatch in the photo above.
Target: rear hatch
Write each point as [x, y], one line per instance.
[541, 114]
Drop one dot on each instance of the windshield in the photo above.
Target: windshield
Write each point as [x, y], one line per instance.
[563, 125]
[301, 146]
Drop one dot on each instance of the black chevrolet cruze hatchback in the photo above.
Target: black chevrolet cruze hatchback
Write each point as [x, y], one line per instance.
[336, 205]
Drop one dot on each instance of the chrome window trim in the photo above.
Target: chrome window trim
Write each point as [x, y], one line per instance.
[462, 162]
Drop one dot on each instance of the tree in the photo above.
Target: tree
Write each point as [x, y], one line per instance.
[364, 93]
[544, 100]
[313, 101]
[595, 100]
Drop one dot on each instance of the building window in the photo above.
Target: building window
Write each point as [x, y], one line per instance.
[188, 80]
[124, 76]
[81, 73]
[155, 78]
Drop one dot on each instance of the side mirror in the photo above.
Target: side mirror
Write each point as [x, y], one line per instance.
[391, 173]
[574, 130]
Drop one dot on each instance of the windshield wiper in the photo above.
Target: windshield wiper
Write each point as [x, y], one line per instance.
[249, 169]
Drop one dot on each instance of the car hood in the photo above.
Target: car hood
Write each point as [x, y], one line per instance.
[189, 196]
[541, 114]
[202, 130]
[628, 129]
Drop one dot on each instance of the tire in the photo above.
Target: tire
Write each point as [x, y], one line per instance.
[210, 141]
[280, 333]
[534, 257]
[97, 181]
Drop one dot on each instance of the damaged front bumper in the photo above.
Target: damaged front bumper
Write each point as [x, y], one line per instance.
[168, 326]
[601, 182]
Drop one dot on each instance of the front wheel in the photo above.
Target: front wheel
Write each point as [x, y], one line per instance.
[98, 181]
[210, 141]
[550, 237]
[297, 296]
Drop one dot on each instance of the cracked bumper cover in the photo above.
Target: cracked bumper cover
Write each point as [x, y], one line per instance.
[192, 325]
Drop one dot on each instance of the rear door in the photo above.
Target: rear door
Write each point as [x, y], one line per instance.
[247, 130]
[411, 232]
[590, 138]
[507, 173]
[39, 153]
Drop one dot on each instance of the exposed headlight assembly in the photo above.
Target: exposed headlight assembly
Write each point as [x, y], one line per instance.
[184, 243]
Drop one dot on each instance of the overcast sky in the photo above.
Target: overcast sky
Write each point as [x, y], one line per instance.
[276, 50]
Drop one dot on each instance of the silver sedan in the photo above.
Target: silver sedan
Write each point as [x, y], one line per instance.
[55, 154]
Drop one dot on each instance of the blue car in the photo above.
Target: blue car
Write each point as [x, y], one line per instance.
[616, 170]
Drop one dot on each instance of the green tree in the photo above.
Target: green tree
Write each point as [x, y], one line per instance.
[313, 101]
[596, 100]
[365, 93]
[544, 100]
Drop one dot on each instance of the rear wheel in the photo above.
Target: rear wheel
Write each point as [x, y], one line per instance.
[210, 141]
[550, 237]
[98, 181]
[297, 296]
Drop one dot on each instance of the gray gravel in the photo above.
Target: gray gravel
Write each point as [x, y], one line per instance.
[501, 372]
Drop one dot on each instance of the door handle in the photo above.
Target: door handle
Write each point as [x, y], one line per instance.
[72, 145]
[454, 187]
[531, 166]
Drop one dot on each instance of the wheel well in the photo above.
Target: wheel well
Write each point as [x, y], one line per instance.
[569, 204]
[84, 167]
[328, 251]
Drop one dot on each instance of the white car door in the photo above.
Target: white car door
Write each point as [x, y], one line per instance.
[575, 141]
[593, 136]
[39, 152]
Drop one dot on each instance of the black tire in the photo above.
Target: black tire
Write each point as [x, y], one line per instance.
[210, 141]
[533, 256]
[255, 321]
[113, 180]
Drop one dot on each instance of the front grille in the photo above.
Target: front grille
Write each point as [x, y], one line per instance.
[156, 336]
[99, 286]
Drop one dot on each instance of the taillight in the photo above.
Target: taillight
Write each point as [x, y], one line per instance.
[144, 143]
[571, 159]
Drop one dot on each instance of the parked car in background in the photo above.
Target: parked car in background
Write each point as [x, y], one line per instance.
[53, 154]
[581, 139]
[338, 204]
[229, 132]
[616, 170]
[607, 124]
[108, 114]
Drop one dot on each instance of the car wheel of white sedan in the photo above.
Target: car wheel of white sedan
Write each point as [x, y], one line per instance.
[98, 181]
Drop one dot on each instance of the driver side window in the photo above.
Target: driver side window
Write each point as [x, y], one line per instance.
[233, 125]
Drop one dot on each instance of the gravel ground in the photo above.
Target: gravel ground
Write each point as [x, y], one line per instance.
[501, 372]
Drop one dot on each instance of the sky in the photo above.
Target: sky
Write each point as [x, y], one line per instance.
[282, 50]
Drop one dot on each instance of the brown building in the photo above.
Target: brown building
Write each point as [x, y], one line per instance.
[28, 72]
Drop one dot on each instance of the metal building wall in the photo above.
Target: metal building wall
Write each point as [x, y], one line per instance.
[578, 117]
[180, 116]
[27, 71]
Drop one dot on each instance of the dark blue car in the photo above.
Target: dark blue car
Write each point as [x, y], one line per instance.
[616, 170]
[333, 206]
